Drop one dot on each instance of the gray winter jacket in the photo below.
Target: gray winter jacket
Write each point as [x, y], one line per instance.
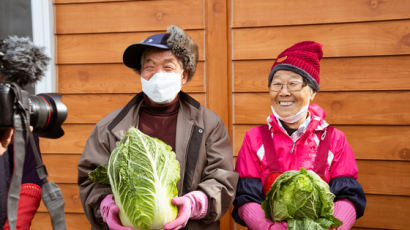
[202, 148]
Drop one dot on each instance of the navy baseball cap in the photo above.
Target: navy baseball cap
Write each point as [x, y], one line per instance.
[132, 54]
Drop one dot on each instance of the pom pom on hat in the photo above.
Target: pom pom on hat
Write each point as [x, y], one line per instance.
[302, 58]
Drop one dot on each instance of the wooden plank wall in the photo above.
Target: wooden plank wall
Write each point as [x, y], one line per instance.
[91, 36]
[365, 84]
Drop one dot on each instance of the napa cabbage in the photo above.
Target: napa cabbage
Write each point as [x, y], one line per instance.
[142, 172]
[302, 199]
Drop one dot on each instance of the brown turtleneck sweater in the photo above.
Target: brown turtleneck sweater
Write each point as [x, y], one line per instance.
[159, 121]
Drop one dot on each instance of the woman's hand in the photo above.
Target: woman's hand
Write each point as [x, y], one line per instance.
[254, 216]
[5, 139]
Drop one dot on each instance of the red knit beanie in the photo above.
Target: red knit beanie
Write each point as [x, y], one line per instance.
[302, 58]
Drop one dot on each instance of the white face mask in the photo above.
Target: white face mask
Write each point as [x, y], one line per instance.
[162, 87]
[293, 118]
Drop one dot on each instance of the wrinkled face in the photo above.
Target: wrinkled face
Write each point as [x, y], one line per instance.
[158, 60]
[285, 102]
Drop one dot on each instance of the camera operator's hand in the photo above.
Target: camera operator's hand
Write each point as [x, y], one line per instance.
[6, 136]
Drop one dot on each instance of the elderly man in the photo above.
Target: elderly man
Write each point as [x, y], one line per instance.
[165, 62]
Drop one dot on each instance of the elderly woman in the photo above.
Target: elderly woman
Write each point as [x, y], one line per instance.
[295, 136]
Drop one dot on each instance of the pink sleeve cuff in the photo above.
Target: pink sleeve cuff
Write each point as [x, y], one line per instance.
[199, 204]
[254, 216]
[346, 212]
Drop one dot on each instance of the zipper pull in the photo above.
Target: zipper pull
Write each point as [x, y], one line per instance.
[293, 147]
[323, 135]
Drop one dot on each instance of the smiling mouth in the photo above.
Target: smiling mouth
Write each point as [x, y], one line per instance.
[285, 103]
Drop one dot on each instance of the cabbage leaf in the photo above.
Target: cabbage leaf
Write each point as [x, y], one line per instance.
[99, 175]
[302, 199]
[143, 173]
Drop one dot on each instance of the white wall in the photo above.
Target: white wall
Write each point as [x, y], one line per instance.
[42, 12]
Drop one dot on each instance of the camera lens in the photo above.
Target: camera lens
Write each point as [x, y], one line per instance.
[6, 106]
[47, 114]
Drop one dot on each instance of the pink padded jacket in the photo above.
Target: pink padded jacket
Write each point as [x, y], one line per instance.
[296, 151]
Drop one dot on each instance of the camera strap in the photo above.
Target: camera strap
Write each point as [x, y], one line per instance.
[15, 184]
[50, 192]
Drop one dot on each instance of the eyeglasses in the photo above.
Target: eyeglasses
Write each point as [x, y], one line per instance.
[292, 86]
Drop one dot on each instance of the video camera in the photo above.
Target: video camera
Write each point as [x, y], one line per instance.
[45, 112]
[21, 62]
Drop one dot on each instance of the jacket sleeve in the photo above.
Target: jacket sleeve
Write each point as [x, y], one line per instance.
[249, 187]
[349, 188]
[248, 164]
[219, 179]
[29, 201]
[249, 190]
[344, 173]
[344, 162]
[29, 171]
[96, 152]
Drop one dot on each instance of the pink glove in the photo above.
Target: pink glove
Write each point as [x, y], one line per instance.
[254, 216]
[109, 213]
[346, 212]
[193, 205]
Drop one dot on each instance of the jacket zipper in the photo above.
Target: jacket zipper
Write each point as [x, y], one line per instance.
[294, 142]
[293, 146]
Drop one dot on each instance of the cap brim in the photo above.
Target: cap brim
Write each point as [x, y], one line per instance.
[132, 54]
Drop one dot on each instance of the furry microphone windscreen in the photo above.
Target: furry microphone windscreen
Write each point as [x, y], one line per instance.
[21, 61]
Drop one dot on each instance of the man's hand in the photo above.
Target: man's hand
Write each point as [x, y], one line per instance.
[109, 213]
[184, 213]
[193, 205]
[5, 139]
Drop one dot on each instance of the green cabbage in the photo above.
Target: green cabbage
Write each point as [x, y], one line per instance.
[143, 173]
[99, 175]
[302, 199]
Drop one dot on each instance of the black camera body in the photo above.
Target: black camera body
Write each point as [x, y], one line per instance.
[45, 112]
